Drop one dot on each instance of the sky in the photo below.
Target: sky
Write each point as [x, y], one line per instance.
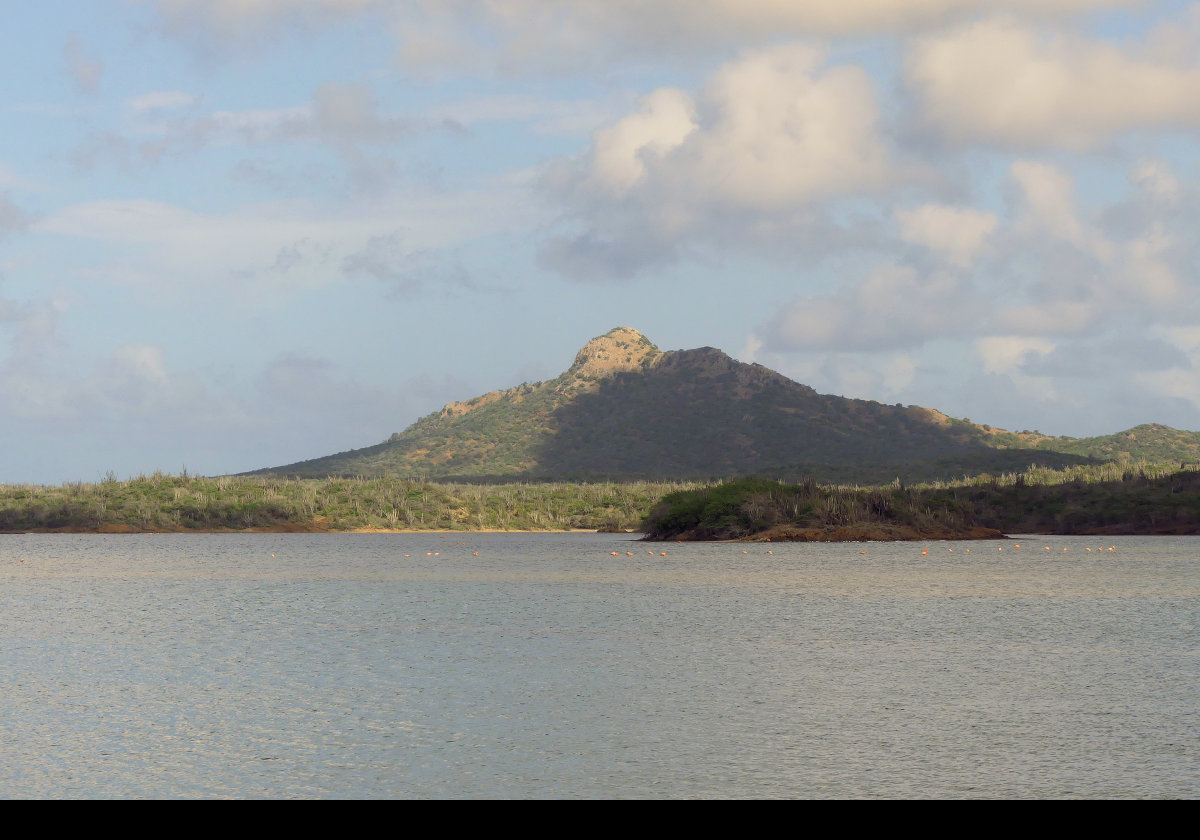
[243, 233]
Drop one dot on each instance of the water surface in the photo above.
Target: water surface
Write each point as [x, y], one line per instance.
[333, 665]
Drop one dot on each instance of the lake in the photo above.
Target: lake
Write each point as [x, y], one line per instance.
[407, 666]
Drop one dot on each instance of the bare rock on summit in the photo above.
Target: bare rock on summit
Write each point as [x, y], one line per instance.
[618, 350]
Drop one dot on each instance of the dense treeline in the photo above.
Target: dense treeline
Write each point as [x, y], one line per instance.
[184, 502]
[1104, 499]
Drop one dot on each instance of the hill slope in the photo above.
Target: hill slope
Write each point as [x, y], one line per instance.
[627, 410]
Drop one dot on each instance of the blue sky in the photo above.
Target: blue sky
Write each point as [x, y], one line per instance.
[239, 233]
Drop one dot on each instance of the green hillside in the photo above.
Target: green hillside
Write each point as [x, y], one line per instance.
[1148, 442]
[626, 410]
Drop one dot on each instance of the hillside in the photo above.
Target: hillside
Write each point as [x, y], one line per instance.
[1148, 442]
[627, 410]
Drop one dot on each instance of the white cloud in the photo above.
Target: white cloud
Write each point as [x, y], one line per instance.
[750, 349]
[1138, 268]
[1178, 382]
[780, 129]
[1055, 316]
[132, 380]
[771, 135]
[622, 152]
[1050, 207]
[893, 307]
[1147, 269]
[1157, 180]
[955, 233]
[1185, 338]
[1000, 81]
[1007, 353]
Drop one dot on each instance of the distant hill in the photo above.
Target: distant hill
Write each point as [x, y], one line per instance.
[1148, 442]
[626, 410]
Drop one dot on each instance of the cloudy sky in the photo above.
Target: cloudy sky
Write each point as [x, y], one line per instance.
[239, 233]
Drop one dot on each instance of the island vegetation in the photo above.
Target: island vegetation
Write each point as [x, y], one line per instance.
[1112, 498]
[1103, 499]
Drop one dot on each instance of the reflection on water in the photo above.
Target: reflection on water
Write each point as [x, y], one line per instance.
[335, 665]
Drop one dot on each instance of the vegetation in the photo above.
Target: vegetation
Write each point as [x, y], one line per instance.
[1107, 498]
[184, 502]
[757, 508]
[1102, 499]
[1148, 442]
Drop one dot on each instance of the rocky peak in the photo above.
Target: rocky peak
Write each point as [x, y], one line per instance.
[620, 349]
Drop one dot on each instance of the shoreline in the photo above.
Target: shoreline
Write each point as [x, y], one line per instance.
[780, 535]
[120, 530]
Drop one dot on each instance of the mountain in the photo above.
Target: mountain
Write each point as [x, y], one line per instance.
[627, 410]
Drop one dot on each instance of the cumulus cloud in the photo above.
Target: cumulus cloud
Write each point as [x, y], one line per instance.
[1156, 180]
[771, 134]
[131, 380]
[1108, 357]
[1179, 376]
[621, 152]
[955, 233]
[1003, 82]
[894, 307]
[1056, 303]
[776, 128]
[1010, 353]
[1049, 198]
[1128, 260]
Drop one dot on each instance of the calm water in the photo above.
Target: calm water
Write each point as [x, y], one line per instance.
[334, 666]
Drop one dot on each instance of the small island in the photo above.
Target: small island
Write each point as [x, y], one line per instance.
[769, 511]
[1105, 500]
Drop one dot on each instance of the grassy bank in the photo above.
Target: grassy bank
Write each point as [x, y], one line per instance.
[184, 502]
